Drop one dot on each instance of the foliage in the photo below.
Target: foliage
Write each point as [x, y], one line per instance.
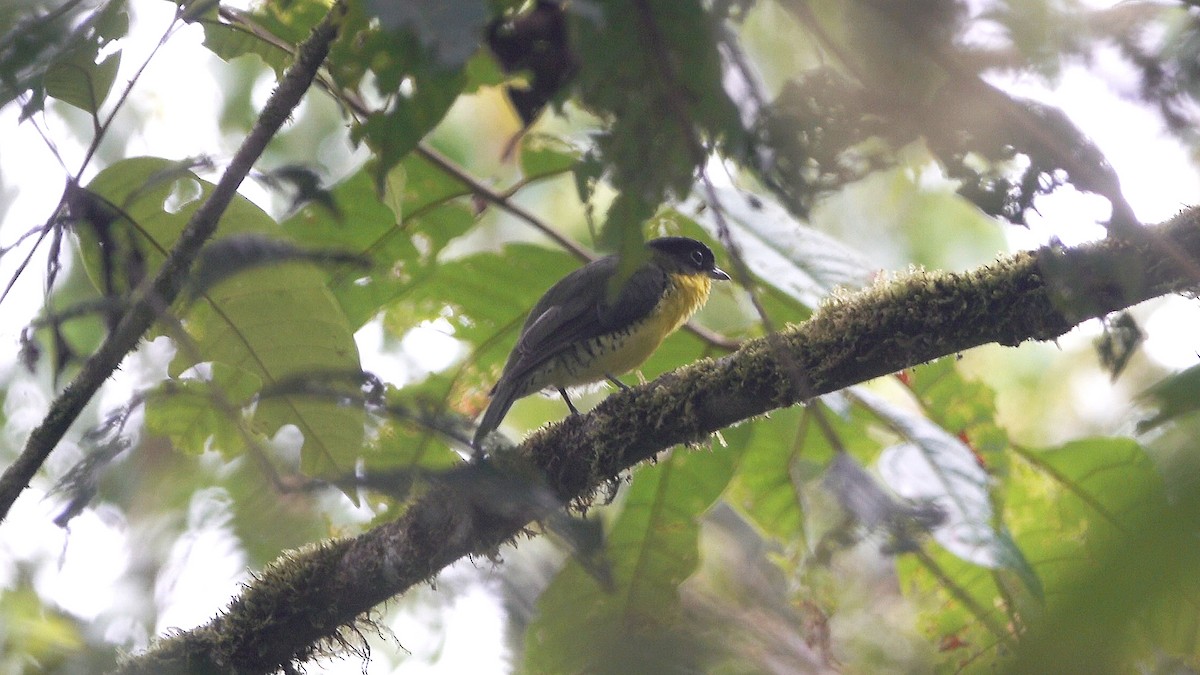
[496, 143]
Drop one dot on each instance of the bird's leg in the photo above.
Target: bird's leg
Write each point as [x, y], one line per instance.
[617, 382]
[568, 400]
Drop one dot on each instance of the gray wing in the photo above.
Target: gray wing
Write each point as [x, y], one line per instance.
[573, 309]
[576, 308]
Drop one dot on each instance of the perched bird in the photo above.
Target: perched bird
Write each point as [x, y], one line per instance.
[582, 331]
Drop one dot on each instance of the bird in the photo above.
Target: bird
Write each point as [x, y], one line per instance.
[584, 330]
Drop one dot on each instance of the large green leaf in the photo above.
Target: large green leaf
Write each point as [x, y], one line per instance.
[653, 548]
[275, 323]
[806, 264]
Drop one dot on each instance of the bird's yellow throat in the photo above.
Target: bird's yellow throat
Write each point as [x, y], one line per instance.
[683, 298]
[684, 295]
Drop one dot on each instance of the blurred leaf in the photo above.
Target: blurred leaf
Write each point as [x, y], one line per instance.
[231, 41]
[535, 43]
[416, 86]
[279, 323]
[291, 21]
[55, 52]
[239, 254]
[935, 465]
[34, 632]
[80, 81]
[442, 26]
[274, 322]
[786, 461]
[798, 260]
[1065, 507]
[411, 434]
[1176, 395]
[819, 133]
[661, 114]
[1116, 557]
[266, 521]
[864, 499]
[653, 548]
[1098, 488]
[962, 407]
[542, 156]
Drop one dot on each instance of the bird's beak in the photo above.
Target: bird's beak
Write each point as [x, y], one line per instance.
[718, 273]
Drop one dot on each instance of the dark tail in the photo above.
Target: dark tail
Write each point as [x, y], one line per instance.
[503, 396]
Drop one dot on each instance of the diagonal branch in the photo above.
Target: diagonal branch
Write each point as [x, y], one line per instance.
[301, 603]
[162, 290]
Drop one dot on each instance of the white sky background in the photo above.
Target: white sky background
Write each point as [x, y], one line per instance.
[1156, 175]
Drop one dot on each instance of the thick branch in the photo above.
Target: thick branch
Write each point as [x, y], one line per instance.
[165, 286]
[306, 597]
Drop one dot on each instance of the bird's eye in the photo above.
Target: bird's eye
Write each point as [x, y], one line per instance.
[698, 258]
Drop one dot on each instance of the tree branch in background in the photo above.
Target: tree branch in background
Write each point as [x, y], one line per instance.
[303, 602]
[162, 290]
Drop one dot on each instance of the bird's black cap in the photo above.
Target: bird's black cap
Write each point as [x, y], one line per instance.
[689, 254]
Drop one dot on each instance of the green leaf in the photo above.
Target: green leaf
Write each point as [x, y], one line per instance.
[408, 437]
[275, 323]
[1099, 488]
[197, 414]
[291, 21]
[36, 632]
[1176, 396]
[403, 253]
[632, 72]
[56, 53]
[416, 86]
[962, 407]
[81, 82]
[788, 453]
[1112, 524]
[229, 42]
[546, 156]
[653, 549]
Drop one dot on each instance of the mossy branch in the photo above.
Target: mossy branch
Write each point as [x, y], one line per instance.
[165, 286]
[306, 600]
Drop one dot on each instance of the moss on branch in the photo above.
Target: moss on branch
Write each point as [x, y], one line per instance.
[895, 324]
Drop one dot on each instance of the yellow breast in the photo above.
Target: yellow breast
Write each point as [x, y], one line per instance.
[620, 352]
[684, 296]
